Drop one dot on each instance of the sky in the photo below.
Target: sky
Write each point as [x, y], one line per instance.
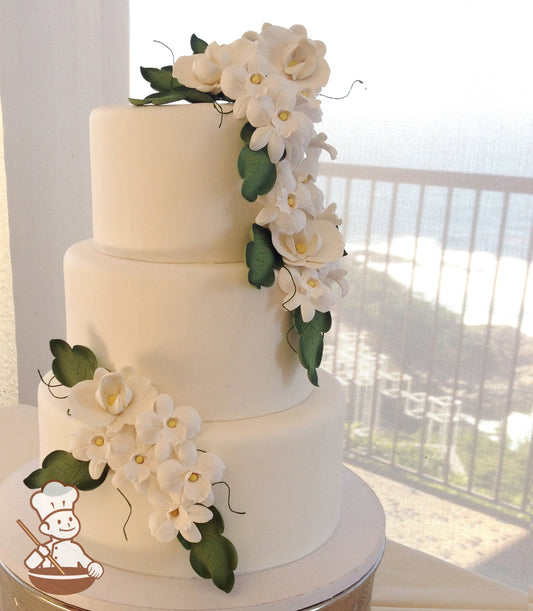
[446, 84]
[429, 50]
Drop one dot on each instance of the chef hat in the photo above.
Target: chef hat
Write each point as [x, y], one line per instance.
[53, 496]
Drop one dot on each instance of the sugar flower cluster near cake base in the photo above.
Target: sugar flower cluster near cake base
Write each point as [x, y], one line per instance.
[147, 442]
[129, 428]
[274, 79]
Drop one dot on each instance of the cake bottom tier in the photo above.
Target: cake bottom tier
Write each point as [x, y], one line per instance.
[283, 470]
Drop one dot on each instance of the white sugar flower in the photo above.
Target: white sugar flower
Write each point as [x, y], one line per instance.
[135, 467]
[175, 515]
[242, 83]
[314, 105]
[203, 71]
[309, 168]
[111, 399]
[306, 289]
[330, 214]
[122, 446]
[292, 53]
[288, 204]
[171, 473]
[167, 426]
[320, 242]
[280, 121]
[336, 277]
[207, 470]
[289, 176]
[93, 445]
[191, 477]
[318, 143]
[282, 209]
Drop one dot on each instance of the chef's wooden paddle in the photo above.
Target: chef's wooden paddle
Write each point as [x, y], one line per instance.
[38, 544]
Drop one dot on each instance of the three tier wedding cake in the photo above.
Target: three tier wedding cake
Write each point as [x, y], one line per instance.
[187, 404]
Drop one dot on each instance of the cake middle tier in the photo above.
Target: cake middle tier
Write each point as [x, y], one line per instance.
[199, 331]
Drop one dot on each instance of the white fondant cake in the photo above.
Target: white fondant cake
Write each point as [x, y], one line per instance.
[165, 329]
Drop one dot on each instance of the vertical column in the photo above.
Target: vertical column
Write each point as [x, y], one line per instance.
[58, 60]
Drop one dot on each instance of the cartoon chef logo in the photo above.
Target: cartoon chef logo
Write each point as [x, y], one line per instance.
[59, 565]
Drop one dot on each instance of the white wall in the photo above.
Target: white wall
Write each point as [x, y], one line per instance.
[8, 353]
[58, 60]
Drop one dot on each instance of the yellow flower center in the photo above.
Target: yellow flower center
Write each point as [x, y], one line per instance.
[291, 200]
[175, 513]
[301, 247]
[284, 115]
[111, 400]
[139, 459]
[99, 441]
[172, 423]
[313, 283]
[194, 477]
[256, 78]
[292, 63]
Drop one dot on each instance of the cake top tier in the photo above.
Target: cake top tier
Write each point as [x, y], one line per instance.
[165, 184]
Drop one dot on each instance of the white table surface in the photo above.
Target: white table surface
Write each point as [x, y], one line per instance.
[406, 579]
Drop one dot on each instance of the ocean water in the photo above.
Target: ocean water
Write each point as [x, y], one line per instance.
[457, 245]
[499, 291]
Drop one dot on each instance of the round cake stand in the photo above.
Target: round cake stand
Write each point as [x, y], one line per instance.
[338, 576]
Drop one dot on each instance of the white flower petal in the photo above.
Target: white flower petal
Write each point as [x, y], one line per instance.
[267, 215]
[164, 406]
[83, 406]
[96, 468]
[211, 466]
[190, 418]
[171, 476]
[187, 454]
[233, 81]
[276, 147]
[161, 527]
[200, 514]
[308, 310]
[148, 425]
[197, 491]
[191, 534]
[261, 137]
[162, 450]
[260, 111]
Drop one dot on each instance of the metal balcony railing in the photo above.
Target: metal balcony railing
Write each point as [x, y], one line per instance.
[434, 342]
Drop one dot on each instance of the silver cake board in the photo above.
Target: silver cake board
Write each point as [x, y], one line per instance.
[339, 567]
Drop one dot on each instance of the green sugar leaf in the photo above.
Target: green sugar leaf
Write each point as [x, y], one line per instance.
[138, 101]
[72, 365]
[197, 44]
[160, 79]
[246, 132]
[261, 258]
[61, 466]
[311, 341]
[167, 98]
[193, 96]
[257, 171]
[214, 557]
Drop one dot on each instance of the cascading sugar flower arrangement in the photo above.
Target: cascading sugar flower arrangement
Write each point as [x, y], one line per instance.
[274, 78]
